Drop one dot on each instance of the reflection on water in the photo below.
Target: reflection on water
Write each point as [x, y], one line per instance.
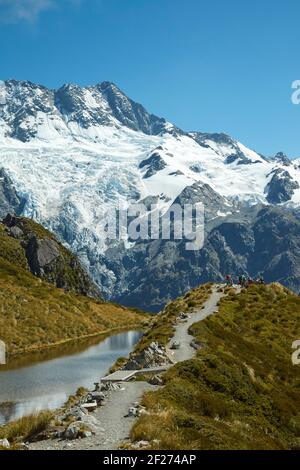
[31, 385]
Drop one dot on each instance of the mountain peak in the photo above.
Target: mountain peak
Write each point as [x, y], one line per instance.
[32, 111]
[281, 157]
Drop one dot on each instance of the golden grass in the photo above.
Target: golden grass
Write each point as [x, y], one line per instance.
[25, 427]
[35, 315]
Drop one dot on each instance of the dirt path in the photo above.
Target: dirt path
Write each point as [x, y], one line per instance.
[111, 426]
[110, 423]
[186, 351]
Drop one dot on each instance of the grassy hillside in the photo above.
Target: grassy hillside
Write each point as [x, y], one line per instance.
[162, 326]
[241, 391]
[11, 249]
[35, 314]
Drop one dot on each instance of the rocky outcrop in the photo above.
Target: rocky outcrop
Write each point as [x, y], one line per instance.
[41, 254]
[153, 356]
[281, 187]
[47, 258]
[281, 157]
[237, 156]
[9, 199]
[152, 164]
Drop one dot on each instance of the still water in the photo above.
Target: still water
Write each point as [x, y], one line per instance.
[45, 381]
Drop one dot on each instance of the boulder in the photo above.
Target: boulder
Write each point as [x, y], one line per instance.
[41, 253]
[97, 397]
[196, 345]
[4, 443]
[108, 386]
[183, 316]
[156, 380]
[16, 232]
[76, 412]
[24, 446]
[78, 429]
[90, 406]
[72, 432]
[140, 445]
[132, 412]
[92, 423]
[154, 355]
[142, 412]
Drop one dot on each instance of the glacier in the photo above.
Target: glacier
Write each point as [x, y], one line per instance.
[72, 152]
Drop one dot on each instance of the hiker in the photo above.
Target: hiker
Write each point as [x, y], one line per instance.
[260, 280]
[244, 282]
[229, 281]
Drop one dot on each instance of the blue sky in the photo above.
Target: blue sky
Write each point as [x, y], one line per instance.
[205, 65]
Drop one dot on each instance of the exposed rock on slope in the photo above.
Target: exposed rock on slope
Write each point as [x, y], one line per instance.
[46, 257]
[9, 199]
[281, 187]
[35, 314]
[251, 243]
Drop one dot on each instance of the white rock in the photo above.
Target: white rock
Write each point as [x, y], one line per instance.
[4, 443]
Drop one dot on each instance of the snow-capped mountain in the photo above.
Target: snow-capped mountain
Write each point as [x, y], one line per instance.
[66, 153]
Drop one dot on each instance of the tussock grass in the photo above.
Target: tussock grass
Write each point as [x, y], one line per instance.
[65, 271]
[25, 427]
[241, 391]
[11, 250]
[35, 314]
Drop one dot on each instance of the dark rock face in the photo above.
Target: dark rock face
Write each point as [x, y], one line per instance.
[9, 199]
[153, 273]
[218, 138]
[71, 104]
[129, 113]
[153, 164]
[282, 158]
[70, 101]
[201, 192]
[223, 139]
[48, 259]
[41, 254]
[240, 159]
[28, 99]
[281, 187]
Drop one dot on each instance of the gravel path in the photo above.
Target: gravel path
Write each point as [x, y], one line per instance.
[186, 351]
[111, 426]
